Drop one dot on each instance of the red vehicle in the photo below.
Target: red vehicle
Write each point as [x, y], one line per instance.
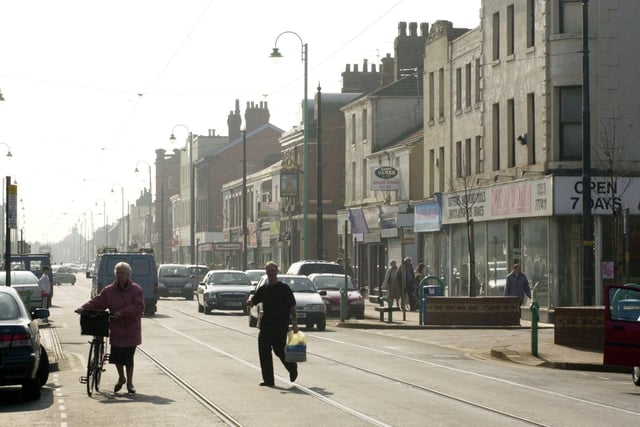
[622, 327]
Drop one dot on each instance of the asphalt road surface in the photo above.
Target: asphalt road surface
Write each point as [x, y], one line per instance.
[196, 369]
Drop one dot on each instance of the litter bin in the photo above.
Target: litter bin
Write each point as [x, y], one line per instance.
[429, 291]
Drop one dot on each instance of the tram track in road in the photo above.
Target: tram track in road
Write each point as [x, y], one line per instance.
[224, 416]
[334, 403]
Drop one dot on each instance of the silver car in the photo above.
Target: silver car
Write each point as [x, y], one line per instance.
[310, 308]
[26, 283]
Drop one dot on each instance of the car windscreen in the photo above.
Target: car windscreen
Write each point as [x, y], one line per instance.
[298, 284]
[8, 307]
[331, 283]
[19, 278]
[229, 278]
[173, 271]
[307, 269]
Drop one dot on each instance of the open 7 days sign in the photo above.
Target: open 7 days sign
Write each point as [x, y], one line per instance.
[606, 194]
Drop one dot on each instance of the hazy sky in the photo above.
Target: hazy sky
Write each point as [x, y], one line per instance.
[93, 88]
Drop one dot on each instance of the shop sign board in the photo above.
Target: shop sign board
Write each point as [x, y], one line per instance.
[606, 194]
[385, 178]
[518, 199]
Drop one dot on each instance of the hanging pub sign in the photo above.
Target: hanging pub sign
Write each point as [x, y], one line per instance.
[288, 184]
[385, 178]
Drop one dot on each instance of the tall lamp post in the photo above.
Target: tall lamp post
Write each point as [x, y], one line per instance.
[104, 215]
[275, 55]
[124, 239]
[192, 191]
[150, 198]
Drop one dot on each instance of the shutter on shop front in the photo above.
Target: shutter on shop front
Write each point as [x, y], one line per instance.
[394, 251]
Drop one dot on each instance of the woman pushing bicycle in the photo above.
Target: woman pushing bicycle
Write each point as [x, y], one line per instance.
[125, 301]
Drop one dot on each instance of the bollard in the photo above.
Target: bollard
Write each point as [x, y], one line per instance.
[535, 317]
[388, 301]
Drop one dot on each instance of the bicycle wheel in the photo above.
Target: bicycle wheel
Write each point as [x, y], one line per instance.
[90, 368]
[97, 372]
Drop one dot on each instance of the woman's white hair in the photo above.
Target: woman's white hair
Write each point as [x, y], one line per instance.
[123, 265]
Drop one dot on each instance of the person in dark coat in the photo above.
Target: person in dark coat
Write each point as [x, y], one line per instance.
[278, 308]
[517, 284]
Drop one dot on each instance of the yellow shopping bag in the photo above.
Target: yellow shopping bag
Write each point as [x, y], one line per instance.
[296, 348]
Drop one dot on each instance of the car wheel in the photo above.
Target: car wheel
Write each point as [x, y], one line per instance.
[321, 325]
[253, 322]
[43, 367]
[31, 389]
[360, 316]
[636, 375]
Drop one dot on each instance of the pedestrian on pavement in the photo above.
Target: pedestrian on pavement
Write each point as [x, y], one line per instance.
[348, 269]
[278, 308]
[408, 281]
[392, 284]
[44, 286]
[125, 301]
[517, 284]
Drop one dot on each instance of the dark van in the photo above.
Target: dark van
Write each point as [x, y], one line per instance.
[143, 272]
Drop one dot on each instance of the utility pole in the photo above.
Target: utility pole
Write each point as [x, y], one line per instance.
[588, 259]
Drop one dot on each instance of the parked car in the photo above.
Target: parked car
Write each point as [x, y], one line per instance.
[26, 284]
[63, 274]
[197, 273]
[223, 290]
[310, 308]
[24, 360]
[33, 263]
[307, 267]
[622, 328]
[333, 284]
[175, 280]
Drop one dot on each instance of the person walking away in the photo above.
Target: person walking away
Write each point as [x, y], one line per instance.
[348, 269]
[407, 278]
[125, 301]
[44, 286]
[278, 308]
[392, 284]
[517, 284]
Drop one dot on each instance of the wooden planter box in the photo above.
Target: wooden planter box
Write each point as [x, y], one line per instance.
[478, 311]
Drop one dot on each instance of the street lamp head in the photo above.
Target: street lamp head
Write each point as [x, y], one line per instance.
[137, 170]
[275, 56]
[172, 137]
[9, 155]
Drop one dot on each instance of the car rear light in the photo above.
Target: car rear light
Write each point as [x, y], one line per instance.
[15, 339]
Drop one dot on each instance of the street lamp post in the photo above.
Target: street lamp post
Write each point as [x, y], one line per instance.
[192, 188]
[150, 198]
[104, 215]
[124, 239]
[275, 54]
[244, 199]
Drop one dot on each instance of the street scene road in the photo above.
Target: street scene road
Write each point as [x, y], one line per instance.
[203, 370]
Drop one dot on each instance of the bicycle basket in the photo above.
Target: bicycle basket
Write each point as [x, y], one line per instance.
[95, 323]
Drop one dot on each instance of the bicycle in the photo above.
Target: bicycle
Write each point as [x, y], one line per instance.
[95, 323]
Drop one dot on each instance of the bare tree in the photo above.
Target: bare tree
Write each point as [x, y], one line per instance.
[611, 157]
[464, 187]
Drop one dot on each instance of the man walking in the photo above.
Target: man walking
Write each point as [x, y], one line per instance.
[278, 307]
[517, 284]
